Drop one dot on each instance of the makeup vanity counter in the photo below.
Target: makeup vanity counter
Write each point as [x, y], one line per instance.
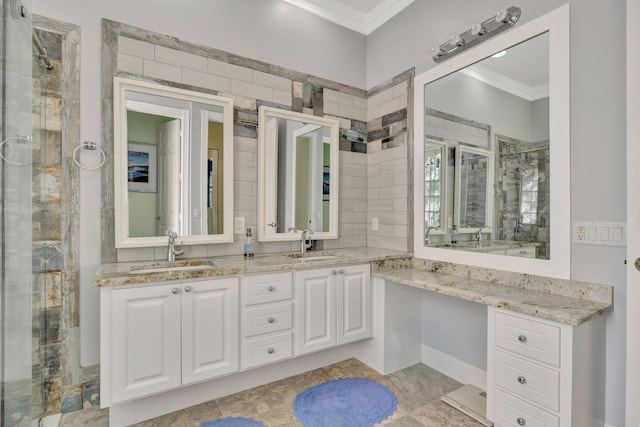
[567, 302]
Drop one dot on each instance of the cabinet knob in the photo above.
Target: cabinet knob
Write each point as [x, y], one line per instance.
[522, 380]
[176, 291]
[522, 338]
[334, 272]
[270, 351]
[341, 271]
[271, 320]
[271, 289]
[521, 421]
[187, 289]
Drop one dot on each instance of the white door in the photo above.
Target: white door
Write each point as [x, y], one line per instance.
[209, 329]
[633, 214]
[315, 309]
[145, 341]
[169, 178]
[353, 303]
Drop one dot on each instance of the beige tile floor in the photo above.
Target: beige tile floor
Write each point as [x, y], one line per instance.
[418, 390]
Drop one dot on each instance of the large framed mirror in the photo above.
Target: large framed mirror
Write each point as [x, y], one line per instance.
[297, 175]
[502, 109]
[173, 165]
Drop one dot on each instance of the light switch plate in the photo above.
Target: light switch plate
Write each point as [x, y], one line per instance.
[600, 233]
[374, 224]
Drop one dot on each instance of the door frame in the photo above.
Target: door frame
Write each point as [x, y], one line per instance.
[633, 214]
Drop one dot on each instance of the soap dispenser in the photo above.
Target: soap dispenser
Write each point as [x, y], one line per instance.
[248, 244]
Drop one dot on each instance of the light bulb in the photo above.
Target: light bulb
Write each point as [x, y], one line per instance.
[454, 39]
[499, 54]
[476, 29]
[500, 15]
[435, 50]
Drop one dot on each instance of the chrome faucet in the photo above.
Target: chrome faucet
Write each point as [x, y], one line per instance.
[427, 238]
[479, 234]
[303, 240]
[172, 249]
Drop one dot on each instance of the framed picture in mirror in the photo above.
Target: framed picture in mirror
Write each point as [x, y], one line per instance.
[142, 167]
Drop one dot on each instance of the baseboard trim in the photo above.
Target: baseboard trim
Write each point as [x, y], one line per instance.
[454, 368]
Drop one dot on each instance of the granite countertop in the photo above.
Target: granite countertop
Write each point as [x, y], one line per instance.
[578, 302]
[132, 273]
[563, 301]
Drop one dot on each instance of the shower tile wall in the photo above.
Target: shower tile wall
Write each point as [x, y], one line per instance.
[57, 379]
[515, 155]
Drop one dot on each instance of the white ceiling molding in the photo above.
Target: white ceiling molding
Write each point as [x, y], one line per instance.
[347, 16]
[506, 84]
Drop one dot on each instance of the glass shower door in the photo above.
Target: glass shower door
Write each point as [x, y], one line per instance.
[15, 215]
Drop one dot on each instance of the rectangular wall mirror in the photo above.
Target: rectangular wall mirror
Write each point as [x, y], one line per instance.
[502, 110]
[173, 162]
[297, 175]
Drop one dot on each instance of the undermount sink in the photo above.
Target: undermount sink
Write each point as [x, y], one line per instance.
[171, 269]
[311, 256]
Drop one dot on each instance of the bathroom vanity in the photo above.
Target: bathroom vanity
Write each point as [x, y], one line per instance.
[177, 334]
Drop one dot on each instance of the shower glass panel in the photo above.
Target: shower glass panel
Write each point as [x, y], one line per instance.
[15, 216]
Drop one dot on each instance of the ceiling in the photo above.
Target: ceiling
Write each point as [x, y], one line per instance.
[362, 16]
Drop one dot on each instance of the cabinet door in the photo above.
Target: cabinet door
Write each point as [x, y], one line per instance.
[145, 341]
[315, 309]
[210, 318]
[353, 303]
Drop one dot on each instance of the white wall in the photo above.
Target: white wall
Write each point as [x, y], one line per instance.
[598, 175]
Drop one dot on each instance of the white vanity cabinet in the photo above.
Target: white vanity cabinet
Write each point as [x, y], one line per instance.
[542, 373]
[333, 307]
[162, 336]
[267, 318]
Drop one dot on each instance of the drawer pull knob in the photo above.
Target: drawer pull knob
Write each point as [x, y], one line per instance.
[334, 272]
[271, 320]
[187, 289]
[522, 380]
[271, 289]
[522, 338]
[521, 421]
[270, 351]
[341, 271]
[175, 291]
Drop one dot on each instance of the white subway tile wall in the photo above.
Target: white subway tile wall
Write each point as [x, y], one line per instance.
[373, 184]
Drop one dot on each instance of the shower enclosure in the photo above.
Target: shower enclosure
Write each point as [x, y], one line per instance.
[16, 342]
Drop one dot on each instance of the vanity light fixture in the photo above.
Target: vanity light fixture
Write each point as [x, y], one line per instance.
[501, 20]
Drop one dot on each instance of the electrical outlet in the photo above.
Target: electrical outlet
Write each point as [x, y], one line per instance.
[238, 225]
[374, 224]
[581, 232]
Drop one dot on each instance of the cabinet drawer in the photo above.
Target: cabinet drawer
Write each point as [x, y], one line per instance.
[265, 288]
[510, 411]
[529, 380]
[529, 338]
[268, 318]
[259, 351]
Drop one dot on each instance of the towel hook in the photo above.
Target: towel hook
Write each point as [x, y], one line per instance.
[88, 145]
[18, 139]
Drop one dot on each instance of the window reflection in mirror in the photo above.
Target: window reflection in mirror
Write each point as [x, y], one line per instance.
[172, 157]
[298, 175]
[435, 163]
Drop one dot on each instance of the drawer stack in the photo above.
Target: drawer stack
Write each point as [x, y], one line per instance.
[267, 318]
[525, 363]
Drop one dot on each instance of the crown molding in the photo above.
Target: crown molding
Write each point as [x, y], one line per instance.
[506, 84]
[349, 17]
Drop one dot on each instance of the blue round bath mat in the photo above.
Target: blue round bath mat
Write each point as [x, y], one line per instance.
[345, 402]
[233, 422]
